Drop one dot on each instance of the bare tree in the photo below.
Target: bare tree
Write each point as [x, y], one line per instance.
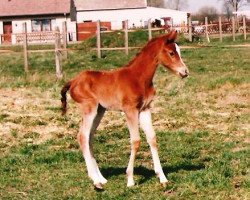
[206, 11]
[176, 4]
[172, 4]
[227, 10]
[235, 4]
[156, 3]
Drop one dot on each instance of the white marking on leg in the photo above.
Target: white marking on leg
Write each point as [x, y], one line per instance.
[132, 122]
[85, 134]
[101, 178]
[146, 125]
[96, 122]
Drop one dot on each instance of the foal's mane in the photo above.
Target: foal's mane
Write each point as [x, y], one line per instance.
[145, 49]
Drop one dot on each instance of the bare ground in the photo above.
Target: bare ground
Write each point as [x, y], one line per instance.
[34, 116]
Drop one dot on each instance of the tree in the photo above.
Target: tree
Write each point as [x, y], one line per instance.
[171, 4]
[206, 11]
[176, 4]
[227, 10]
[156, 3]
[234, 4]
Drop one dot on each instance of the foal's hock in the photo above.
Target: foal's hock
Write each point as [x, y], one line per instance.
[128, 89]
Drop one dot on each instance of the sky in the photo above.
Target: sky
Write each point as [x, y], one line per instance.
[195, 5]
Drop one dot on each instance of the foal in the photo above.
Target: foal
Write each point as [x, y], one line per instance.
[128, 89]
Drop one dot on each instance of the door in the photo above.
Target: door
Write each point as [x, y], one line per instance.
[7, 31]
[88, 29]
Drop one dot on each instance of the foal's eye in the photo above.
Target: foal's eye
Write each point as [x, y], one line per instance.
[171, 53]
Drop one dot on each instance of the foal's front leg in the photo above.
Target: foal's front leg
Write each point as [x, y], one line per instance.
[146, 125]
[132, 121]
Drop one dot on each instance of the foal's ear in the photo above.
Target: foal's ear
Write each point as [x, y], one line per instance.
[171, 37]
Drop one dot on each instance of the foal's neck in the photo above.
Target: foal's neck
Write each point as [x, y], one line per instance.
[145, 64]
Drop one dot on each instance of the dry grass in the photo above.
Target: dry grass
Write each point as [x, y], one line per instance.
[202, 125]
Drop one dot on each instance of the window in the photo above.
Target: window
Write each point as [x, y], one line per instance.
[41, 25]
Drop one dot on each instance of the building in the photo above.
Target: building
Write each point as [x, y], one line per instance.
[40, 16]
[135, 11]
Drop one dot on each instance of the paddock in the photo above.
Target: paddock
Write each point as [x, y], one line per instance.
[203, 129]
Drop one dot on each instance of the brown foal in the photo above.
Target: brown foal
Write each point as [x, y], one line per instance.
[128, 89]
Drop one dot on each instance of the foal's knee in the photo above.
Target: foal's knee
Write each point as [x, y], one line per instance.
[81, 140]
[135, 144]
[152, 142]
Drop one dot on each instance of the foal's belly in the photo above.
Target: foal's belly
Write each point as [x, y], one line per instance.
[110, 102]
[110, 106]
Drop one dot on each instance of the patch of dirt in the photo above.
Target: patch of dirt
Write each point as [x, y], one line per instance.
[225, 109]
[233, 98]
[26, 111]
[238, 45]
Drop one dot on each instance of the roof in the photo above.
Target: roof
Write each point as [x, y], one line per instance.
[109, 5]
[33, 7]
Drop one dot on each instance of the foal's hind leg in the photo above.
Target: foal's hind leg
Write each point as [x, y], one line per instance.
[100, 112]
[89, 113]
[146, 125]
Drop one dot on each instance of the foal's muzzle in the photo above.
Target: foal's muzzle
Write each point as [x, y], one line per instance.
[184, 74]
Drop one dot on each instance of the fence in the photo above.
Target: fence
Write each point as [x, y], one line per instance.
[59, 39]
[191, 31]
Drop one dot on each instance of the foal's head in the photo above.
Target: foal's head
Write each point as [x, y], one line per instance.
[170, 56]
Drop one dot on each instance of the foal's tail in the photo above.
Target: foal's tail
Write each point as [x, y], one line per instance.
[64, 97]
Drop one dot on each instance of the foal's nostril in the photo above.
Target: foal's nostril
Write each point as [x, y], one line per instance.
[186, 72]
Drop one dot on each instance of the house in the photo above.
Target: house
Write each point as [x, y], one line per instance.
[135, 11]
[40, 16]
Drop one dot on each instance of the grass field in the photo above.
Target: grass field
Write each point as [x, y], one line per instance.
[202, 125]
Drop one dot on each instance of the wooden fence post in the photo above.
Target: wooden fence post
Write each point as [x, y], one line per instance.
[244, 27]
[98, 38]
[220, 28]
[233, 28]
[25, 47]
[206, 29]
[190, 29]
[149, 30]
[172, 24]
[64, 37]
[57, 53]
[126, 36]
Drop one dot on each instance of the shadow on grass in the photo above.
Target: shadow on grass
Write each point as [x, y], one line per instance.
[149, 173]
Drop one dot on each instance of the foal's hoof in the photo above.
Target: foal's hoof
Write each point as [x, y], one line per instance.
[98, 187]
[130, 183]
[164, 184]
[103, 181]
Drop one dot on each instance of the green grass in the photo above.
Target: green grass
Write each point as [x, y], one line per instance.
[202, 125]
[197, 169]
